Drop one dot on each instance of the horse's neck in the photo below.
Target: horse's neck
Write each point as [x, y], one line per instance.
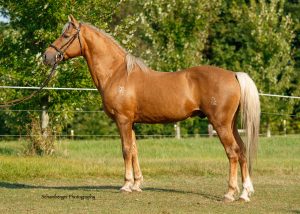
[103, 56]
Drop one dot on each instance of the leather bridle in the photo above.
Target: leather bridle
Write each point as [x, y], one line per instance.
[61, 51]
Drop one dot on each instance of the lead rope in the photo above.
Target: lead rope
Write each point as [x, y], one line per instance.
[23, 99]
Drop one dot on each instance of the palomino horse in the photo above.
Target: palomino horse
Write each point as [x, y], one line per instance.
[133, 93]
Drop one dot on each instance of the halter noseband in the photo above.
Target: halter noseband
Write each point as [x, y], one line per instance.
[64, 47]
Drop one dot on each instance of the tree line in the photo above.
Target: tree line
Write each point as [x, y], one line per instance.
[261, 38]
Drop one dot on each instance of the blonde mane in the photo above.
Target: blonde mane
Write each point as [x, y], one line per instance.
[131, 61]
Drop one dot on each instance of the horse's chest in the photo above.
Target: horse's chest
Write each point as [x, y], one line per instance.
[117, 101]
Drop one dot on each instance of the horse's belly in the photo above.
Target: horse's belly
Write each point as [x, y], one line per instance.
[155, 118]
[165, 112]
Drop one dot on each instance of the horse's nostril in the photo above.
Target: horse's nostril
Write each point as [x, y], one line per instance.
[45, 60]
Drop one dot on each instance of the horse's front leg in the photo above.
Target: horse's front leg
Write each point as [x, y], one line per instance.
[125, 128]
[138, 177]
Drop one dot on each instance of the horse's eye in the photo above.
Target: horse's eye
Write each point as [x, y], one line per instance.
[65, 36]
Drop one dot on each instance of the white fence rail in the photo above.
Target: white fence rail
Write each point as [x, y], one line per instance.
[94, 89]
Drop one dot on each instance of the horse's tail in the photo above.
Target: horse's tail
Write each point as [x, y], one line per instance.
[250, 115]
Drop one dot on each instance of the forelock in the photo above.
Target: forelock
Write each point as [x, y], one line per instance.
[66, 26]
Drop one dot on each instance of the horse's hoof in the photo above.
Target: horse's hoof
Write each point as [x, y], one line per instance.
[126, 189]
[245, 196]
[244, 199]
[251, 192]
[136, 189]
[228, 198]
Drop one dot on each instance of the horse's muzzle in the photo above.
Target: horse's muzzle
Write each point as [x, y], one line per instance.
[50, 58]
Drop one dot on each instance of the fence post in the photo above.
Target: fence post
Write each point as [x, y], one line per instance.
[210, 130]
[268, 129]
[177, 130]
[284, 127]
[44, 116]
[72, 134]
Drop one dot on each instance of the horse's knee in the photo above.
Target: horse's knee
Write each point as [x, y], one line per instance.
[127, 151]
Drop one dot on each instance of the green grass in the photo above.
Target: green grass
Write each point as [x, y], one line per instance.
[181, 176]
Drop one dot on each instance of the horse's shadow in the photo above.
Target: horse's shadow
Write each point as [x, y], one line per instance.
[113, 188]
[30, 186]
[202, 194]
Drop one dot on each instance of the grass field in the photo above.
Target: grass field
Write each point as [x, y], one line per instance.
[181, 176]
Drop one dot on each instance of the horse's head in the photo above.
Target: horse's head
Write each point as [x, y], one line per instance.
[68, 45]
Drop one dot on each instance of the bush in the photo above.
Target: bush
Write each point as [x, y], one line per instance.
[40, 142]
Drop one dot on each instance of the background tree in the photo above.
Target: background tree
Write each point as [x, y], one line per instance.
[33, 26]
[256, 38]
[292, 8]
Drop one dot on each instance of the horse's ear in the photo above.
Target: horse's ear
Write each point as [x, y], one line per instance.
[73, 20]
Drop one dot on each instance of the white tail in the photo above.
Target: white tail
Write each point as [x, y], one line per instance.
[250, 115]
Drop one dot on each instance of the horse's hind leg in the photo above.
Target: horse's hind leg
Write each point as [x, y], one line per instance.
[138, 177]
[232, 150]
[247, 184]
